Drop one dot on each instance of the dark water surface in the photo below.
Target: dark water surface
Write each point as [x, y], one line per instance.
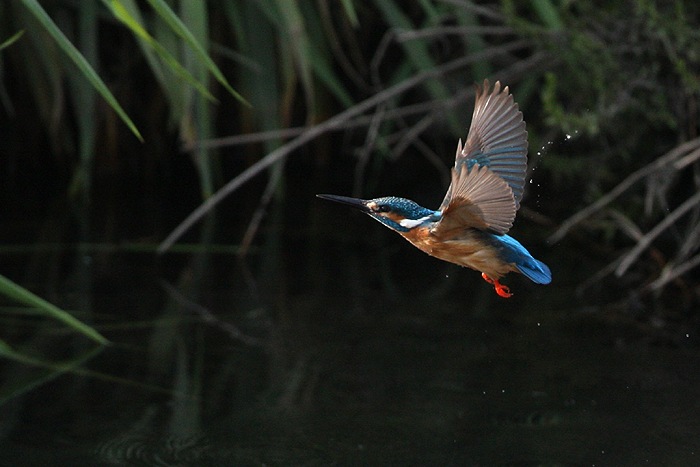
[333, 352]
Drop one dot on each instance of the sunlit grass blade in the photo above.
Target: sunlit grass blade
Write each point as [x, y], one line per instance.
[184, 33]
[123, 15]
[24, 296]
[74, 54]
[8, 42]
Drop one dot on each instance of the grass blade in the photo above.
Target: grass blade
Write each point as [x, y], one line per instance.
[350, 12]
[50, 371]
[12, 40]
[184, 33]
[24, 296]
[123, 15]
[74, 54]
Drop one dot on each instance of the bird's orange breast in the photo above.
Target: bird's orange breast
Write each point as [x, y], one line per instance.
[466, 250]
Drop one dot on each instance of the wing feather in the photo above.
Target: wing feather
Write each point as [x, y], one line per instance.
[497, 139]
[479, 199]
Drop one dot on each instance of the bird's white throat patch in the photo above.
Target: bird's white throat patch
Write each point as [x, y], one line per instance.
[411, 223]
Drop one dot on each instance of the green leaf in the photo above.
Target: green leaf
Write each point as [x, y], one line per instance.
[74, 54]
[24, 296]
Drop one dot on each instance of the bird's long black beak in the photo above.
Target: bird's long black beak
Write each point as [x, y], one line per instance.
[356, 203]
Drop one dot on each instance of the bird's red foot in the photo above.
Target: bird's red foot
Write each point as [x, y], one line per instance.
[501, 290]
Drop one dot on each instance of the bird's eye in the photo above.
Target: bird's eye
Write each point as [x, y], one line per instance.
[382, 208]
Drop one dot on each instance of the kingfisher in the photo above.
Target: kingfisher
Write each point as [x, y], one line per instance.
[470, 227]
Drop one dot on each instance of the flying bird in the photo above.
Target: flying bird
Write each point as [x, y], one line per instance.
[470, 227]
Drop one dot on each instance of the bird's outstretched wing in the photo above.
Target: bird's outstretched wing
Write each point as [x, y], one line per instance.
[480, 199]
[489, 172]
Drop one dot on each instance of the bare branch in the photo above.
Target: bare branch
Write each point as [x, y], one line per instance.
[247, 138]
[669, 274]
[603, 201]
[425, 33]
[645, 241]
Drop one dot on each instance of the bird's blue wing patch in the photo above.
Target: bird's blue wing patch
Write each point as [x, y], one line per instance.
[508, 163]
[497, 138]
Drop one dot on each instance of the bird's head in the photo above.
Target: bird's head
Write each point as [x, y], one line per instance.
[399, 214]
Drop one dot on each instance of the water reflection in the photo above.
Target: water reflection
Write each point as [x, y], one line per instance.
[315, 359]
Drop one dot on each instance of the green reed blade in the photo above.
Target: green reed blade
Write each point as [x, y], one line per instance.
[181, 30]
[122, 14]
[74, 54]
[8, 42]
[20, 294]
[350, 12]
[11, 389]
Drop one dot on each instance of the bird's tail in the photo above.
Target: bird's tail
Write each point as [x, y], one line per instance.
[536, 271]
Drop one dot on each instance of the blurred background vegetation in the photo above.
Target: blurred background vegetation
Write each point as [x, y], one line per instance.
[158, 171]
[129, 114]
